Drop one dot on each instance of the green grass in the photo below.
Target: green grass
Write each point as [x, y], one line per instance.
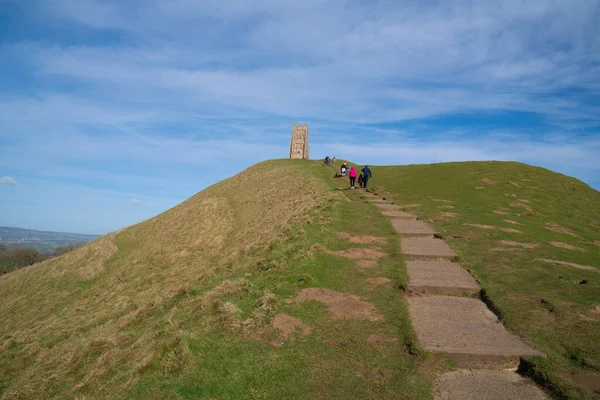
[551, 306]
[179, 306]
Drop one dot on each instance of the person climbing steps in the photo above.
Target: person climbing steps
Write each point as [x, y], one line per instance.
[352, 177]
[366, 175]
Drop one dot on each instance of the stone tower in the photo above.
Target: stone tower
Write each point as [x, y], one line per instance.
[299, 145]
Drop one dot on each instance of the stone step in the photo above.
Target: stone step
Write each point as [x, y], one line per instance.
[426, 248]
[466, 331]
[440, 277]
[407, 227]
[486, 385]
[387, 206]
[398, 214]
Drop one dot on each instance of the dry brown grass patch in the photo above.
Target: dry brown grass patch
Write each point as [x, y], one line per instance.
[367, 264]
[358, 253]
[520, 244]
[521, 205]
[378, 281]
[568, 264]
[554, 227]
[341, 305]
[289, 325]
[565, 246]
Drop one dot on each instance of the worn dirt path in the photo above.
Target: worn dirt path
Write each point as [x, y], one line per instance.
[448, 320]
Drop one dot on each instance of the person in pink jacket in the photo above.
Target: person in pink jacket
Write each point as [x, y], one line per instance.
[352, 175]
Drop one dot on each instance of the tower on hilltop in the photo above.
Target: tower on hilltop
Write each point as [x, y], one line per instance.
[299, 144]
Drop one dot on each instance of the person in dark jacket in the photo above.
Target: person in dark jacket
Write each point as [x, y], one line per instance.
[366, 175]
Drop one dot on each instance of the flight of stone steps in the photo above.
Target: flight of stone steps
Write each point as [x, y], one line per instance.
[449, 320]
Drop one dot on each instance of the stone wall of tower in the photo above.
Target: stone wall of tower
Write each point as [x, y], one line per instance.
[299, 144]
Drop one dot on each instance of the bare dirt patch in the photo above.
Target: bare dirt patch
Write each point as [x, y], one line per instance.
[367, 264]
[341, 305]
[446, 206]
[361, 239]
[568, 264]
[343, 235]
[288, 325]
[510, 194]
[489, 181]
[566, 246]
[378, 281]
[481, 226]
[506, 249]
[358, 253]
[443, 215]
[443, 201]
[508, 221]
[524, 201]
[521, 205]
[377, 340]
[515, 184]
[367, 240]
[479, 188]
[411, 205]
[500, 212]
[554, 227]
[510, 230]
[520, 244]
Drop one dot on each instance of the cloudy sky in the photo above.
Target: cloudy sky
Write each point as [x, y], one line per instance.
[113, 111]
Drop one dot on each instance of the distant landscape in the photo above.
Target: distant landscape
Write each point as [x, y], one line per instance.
[42, 241]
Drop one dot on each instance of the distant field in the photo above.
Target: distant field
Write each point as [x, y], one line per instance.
[532, 239]
[43, 241]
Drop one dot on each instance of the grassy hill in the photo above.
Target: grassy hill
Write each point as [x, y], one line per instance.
[182, 305]
[532, 239]
[207, 299]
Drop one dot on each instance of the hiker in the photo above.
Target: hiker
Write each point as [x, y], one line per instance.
[366, 175]
[352, 177]
[327, 161]
[360, 181]
[333, 162]
[343, 169]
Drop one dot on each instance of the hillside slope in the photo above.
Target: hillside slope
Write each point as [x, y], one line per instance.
[532, 239]
[57, 316]
[205, 301]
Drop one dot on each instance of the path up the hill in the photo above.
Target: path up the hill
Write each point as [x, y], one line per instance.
[448, 320]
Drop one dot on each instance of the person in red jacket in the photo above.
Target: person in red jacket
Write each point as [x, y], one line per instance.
[352, 177]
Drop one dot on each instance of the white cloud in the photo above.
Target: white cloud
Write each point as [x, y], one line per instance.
[8, 180]
[136, 201]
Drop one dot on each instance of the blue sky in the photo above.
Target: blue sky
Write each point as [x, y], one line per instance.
[114, 111]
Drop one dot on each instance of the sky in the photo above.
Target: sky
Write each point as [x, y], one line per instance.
[114, 111]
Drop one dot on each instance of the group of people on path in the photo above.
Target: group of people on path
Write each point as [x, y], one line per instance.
[363, 179]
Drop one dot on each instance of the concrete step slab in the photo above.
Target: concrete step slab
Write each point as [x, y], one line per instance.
[398, 214]
[406, 227]
[426, 248]
[387, 206]
[486, 385]
[466, 331]
[440, 277]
